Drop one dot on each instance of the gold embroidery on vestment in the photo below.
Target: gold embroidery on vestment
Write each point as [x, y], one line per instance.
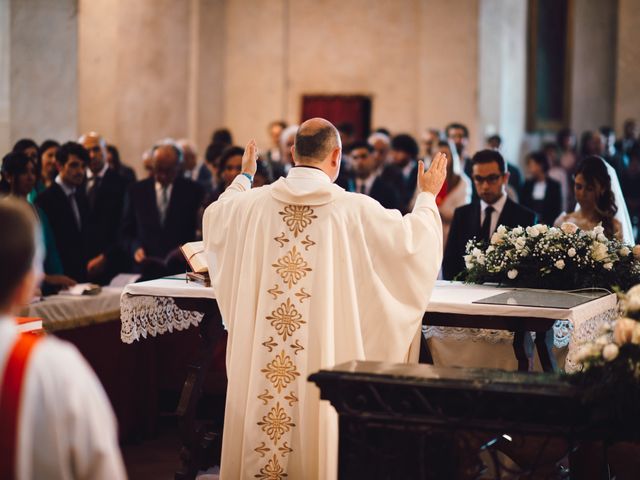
[276, 423]
[281, 239]
[272, 470]
[262, 449]
[266, 396]
[291, 398]
[297, 218]
[302, 295]
[281, 371]
[270, 344]
[308, 243]
[297, 348]
[285, 449]
[292, 267]
[286, 319]
[275, 291]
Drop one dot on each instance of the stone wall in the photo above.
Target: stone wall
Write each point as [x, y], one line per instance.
[139, 71]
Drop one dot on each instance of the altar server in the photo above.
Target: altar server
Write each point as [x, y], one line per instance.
[55, 418]
[308, 276]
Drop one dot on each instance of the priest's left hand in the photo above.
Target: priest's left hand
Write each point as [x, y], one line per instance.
[250, 158]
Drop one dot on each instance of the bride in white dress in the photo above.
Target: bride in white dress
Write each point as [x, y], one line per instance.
[600, 201]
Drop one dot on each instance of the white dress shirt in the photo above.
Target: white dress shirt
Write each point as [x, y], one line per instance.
[497, 210]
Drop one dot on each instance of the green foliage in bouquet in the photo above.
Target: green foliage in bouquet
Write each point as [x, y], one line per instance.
[561, 258]
[610, 375]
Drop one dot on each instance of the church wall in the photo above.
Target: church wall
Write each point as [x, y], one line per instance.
[5, 77]
[502, 74]
[390, 50]
[593, 64]
[42, 70]
[627, 99]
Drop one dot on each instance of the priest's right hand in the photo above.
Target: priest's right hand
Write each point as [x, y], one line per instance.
[432, 179]
[250, 158]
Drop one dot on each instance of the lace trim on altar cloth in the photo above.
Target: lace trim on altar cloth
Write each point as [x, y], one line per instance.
[143, 315]
[565, 334]
[561, 334]
[587, 331]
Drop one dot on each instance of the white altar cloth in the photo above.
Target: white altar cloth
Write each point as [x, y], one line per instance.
[149, 309]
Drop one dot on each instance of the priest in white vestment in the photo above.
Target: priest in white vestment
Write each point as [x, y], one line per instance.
[308, 276]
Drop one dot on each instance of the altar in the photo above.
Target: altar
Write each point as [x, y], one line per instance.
[173, 304]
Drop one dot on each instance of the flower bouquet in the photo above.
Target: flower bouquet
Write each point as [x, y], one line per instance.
[563, 258]
[610, 372]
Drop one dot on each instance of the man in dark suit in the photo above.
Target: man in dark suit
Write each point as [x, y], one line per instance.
[403, 172]
[481, 218]
[67, 209]
[105, 190]
[541, 193]
[368, 178]
[162, 213]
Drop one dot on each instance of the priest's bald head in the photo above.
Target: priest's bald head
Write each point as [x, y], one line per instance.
[318, 144]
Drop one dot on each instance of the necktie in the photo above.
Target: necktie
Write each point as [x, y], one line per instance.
[93, 190]
[363, 188]
[164, 203]
[485, 229]
[74, 209]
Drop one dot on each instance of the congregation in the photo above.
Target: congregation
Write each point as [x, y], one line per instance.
[98, 220]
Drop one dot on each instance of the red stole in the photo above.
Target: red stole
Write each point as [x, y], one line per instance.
[12, 382]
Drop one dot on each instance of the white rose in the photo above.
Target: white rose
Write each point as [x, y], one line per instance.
[571, 252]
[568, 227]
[518, 231]
[632, 299]
[635, 337]
[610, 352]
[599, 251]
[533, 232]
[624, 251]
[559, 264]
[490, 249]
[481, 260]
[587, 351]
[542, 228]
[601, 238]
[496, 238]
[608, 266]
[512, 274]
[476, 252]
[521, 242]
[599, 230]
[501, 230]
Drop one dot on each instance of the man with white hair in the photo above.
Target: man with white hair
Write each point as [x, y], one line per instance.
[308, 276]
[381, 144]
[105, 190]
[161, 214]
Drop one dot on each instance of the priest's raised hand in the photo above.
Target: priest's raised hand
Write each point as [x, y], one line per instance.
[432, 179]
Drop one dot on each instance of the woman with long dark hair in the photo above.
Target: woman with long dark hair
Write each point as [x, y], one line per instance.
[19, 179]
[46, 168]
[595, 197]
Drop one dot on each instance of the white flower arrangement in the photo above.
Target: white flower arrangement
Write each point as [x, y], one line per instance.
[564, 257]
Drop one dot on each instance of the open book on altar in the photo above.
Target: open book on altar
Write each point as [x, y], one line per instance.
[194, 254]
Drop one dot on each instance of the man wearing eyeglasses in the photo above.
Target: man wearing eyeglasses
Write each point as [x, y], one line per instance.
[482, 217]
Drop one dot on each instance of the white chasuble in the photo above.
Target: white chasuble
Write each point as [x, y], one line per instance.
[308, 276]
